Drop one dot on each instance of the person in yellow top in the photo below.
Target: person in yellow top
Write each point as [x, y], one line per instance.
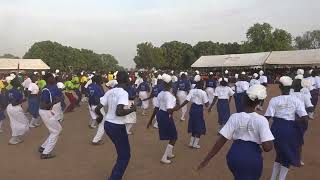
[76, 85]
[2, 86]
[110, 76]
[83, 82]
[69, 87]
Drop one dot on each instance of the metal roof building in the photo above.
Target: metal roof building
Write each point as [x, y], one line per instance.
[24, 64]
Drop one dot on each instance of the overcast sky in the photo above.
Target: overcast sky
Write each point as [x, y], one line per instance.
[117, 26]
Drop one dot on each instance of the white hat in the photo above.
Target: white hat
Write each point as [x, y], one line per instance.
[286, 81]
[90, 76]
[166, 78]
[210, 73]
[197, 72]
[156, 71]
[225, 79]
[81, 73]
[197, 78]
[311, 70]
[261, 72]
[226, 71]
[172, 72]
[130, 79]
[159, 76]
[9, 79]
[54, 75]
[174, 79]
[181, 74]
[60, 85]
[93, 72]
[57, 71]
[43, 73]
[236, 76]
[112, 83]
[300, 71]
[243, 73]
[255, 75]
[35, 73]
[257, 91]
[299, 76]
[13, 75]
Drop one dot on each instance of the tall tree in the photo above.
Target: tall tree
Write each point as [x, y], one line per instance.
[205, 48]
[260, 37]
[9, 56]
[149, 56]
[309, 40]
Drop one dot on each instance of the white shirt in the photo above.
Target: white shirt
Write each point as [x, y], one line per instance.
[312, 82]
[242, 86]
[138, 81]
[165, 101]
[154, 82]
[317, 79]
[247, 127]
[263, 79]
[197, 96]
[286, 107]
[26, 83]
[33, 88]
[254, 82]
[223, 92]
[112, 99]
[303, 97]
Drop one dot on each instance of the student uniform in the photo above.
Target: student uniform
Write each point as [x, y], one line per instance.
[210, 86]
[33, 102]
[155, 91]
[314, 91]
[240, 87]
[95, 92]
[19, 123]
[167, 128]
[248, 131]
[223, 93]
[254, 82]
[283, 110]
[263, 79]
[50, 117]
[198, 98]
[183, 87]
[132, 117]
[116, 130]
[143, 90]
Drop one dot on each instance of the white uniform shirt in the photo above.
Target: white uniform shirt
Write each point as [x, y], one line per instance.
[242, 86]
[223, 92]
[247, 127]
[312, 82]
[138, 81]
[286, 107]
[263, 79]
[303, 97]
[26, 83]
[112, 99]
[165, 101]
[33, 88]
[197, 96]
[254, 82]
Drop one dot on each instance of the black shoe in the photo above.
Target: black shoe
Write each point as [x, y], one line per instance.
[47, 156]
[41, 149]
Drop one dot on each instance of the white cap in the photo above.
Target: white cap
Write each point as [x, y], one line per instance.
[35, 73]
[255, 75]
[236, 76]
[82, 73]
[93, 72]
[311, 70]
[159, 76]
[166, 78]
[299, 76]
[57, 71]
[197, 72]
[257, 91]
[300, 71]
[243, 73]
[9, 79]
[225, 79]
[181, 74]
[43, 73]
[261, 72]
[286, 81]
[172, 72]
[130, 79]
[226, 72]
[13, 75]
[210, 73]
[197, 78]
[60, 85]
[174, 79]
[112, 83]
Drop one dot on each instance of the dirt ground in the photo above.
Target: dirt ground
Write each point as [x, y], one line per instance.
[77, 159]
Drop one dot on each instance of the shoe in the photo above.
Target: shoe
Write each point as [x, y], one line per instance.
[171, 156]
[32, 126]
[37, 124]
[15, 141]
[182, 119]
[165, 161]
[196, 146]
[97, 143]
[301, 163]
[47, 156]
[41, 149]
[129, 133]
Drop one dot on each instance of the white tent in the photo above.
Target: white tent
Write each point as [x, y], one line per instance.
[24, 64]
[232, 60]
[300, 57]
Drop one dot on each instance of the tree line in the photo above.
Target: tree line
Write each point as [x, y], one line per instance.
[260, 38]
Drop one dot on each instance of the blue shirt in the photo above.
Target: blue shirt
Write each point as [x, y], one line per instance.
[132, 92]
[157, 89]
[95, 92]
[144, 86]
[14, 96]
[49, 93]
[183, 85]
[211, 83]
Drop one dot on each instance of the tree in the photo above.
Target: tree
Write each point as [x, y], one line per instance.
[309, 40]
[9, 56]
[205, 48]
[149, 56]
[282, 40]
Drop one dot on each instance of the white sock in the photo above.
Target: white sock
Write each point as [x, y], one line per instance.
[283, 173]
[275, 171]
[191, 141]
[167, 152]
[196, 142]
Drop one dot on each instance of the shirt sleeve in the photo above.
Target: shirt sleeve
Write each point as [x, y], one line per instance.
[30, 88]
[270, 110]
[104, 99]
[307, 101]
[231, 92]
[300, 109]
[123, 98]
[229, 128]
[171, 102]
[264, 131]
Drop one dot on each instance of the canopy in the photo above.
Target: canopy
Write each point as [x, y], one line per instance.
[24, 64]
[232, 60]
[300, 57]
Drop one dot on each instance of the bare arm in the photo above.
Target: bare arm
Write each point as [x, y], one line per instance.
[123, 112]
[213, 103]
[155, 110]
[267, 146]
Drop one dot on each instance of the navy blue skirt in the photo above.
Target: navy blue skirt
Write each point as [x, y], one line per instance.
[196, 124]
[287, 142]
[33, 105]
[314, 97]
[245, 161]
[223, 111]
[167, 128]
[239, 101]
[2, 116]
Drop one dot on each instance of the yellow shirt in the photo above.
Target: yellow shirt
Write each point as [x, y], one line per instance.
[83, 79]
[110, 77]
[2, 85]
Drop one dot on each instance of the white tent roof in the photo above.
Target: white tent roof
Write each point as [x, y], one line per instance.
[24, 64]
[300, 57]
[232, 60]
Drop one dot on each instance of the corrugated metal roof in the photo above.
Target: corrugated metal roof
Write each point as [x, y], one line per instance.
[299, 57]
[24, 64]
[232, 60]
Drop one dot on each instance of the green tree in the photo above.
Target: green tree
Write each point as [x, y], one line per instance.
[205, 48]
[149, 56]
[309, 40]
[9, 56]
[282, 40]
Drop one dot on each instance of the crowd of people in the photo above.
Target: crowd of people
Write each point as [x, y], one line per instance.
[113, 99]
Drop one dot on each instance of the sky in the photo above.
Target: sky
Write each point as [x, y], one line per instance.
[117, 26]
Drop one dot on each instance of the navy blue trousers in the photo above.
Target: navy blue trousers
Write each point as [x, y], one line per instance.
[118, 135]
[239, 101]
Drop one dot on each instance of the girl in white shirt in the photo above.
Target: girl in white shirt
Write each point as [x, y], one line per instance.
[241, 87]
[164, 108]
[223, 93]
[196, 126]
[248, 130]
[283, 109]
